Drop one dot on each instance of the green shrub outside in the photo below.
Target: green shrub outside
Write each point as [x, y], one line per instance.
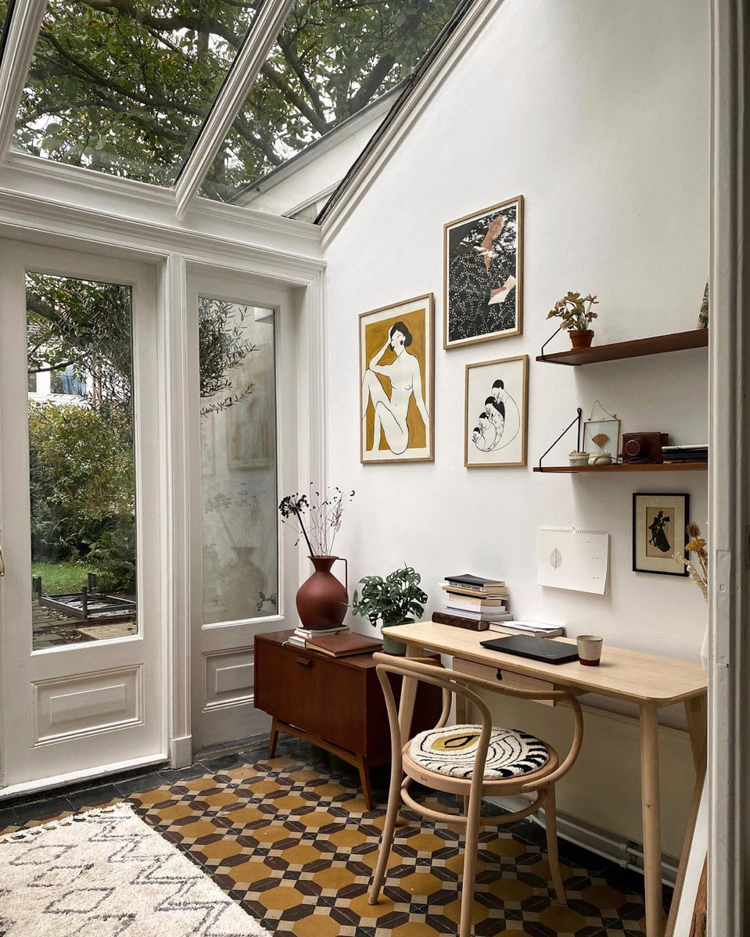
[83, 490]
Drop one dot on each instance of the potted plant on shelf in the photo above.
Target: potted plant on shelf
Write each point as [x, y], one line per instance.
[576, 317]
[395, 600]
[322, 600]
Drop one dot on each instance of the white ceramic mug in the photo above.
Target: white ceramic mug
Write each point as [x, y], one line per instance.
[589, 649]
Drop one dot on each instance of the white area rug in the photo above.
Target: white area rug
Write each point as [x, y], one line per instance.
[105, 873]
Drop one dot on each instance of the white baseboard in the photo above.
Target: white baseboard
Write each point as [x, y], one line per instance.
[181, 752]
[623, 852]
[73, 777]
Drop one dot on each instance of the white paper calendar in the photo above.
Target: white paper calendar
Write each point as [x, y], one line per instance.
[573, 559]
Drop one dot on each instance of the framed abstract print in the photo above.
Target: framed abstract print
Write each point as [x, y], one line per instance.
[396, 356]
[483, 275]
[496, 413]
[659, 522]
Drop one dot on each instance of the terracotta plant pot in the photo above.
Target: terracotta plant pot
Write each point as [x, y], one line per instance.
[581, 339]
[390, 645]
[322, 600]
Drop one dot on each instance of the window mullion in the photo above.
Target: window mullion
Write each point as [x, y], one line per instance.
[23, 29]
[230, 99]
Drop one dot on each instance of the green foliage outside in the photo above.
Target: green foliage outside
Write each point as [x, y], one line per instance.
[124, 86]
[62, 576]
[83, 491]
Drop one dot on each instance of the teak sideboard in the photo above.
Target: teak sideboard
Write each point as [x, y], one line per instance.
[335, 703]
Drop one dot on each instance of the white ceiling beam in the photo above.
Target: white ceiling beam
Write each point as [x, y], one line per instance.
[23, 29]
[263, 32]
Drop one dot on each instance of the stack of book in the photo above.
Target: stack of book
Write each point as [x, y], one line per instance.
[535, 628]
[473, 602]
[690, 453]
[302, 635]
[333, 642]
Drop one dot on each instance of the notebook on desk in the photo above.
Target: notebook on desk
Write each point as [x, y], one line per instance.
[522, 645]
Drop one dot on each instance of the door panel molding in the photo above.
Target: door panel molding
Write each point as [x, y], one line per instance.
[87, 704]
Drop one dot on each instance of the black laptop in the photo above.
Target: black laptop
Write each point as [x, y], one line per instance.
[525, 645]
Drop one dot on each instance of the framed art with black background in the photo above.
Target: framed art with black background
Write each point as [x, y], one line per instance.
[659, 522]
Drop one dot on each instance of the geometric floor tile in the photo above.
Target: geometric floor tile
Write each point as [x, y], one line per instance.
[292, 842]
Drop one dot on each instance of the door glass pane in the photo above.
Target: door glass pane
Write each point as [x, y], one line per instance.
[238, 461]
[81, 454]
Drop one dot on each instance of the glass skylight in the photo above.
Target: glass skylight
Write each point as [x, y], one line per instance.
[332, 59]
[124, 87]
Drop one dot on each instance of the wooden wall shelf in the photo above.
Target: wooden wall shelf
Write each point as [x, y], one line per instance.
[638, 348]
[625, 467]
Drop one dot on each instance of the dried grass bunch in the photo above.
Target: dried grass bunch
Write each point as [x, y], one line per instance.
[698, 572]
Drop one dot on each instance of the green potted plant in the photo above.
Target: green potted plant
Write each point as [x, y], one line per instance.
[395, 600]
[576, 317]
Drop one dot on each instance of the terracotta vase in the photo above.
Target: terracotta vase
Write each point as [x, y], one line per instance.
[580, 339]
[322, 600]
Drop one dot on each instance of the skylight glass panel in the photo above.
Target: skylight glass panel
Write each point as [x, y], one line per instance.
[123, 86]
[332, 60]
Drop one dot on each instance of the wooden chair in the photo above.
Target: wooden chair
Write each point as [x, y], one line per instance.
[473, 784]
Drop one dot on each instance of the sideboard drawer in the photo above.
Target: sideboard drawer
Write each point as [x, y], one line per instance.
[312, 693]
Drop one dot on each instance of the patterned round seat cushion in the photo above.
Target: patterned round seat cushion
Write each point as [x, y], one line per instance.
[452, 751]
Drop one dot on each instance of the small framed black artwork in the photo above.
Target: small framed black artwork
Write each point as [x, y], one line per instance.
[659, 522]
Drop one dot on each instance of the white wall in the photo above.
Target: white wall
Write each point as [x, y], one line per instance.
[597, 113]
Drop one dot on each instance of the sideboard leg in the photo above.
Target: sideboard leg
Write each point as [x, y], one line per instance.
[273, 739]
[364, 777]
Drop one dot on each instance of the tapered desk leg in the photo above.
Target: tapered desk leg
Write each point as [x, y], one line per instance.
[695, 710]
[408, 695]
[651, 820]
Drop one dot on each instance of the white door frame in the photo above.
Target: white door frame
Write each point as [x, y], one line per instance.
[229, 644]
[226, 240]
[134, 666]
[311, 453]
[729, 475]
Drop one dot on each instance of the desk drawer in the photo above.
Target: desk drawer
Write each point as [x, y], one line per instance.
[509, 678]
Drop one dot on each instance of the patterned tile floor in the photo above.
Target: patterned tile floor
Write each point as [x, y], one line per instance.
[291, 840]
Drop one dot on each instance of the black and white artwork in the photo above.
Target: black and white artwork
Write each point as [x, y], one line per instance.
[659, 531]
[483, 255]
[496, 412]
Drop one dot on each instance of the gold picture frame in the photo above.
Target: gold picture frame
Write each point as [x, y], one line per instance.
[472, 257]
[397, 382]
[499, 393]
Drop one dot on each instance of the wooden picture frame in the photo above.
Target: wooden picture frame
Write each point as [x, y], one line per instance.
[592, 428]
[402, 421]
[499, 392]
[479, 302]
[658, 535]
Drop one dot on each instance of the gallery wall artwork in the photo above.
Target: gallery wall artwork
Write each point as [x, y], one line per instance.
[496, 412]
[396, 352]
[659, 522]
[483, 274]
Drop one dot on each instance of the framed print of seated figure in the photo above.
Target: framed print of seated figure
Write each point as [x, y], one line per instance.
[396, 356]
[483, 271]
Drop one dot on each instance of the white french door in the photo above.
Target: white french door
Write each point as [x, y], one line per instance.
[81, 654]
[243, 441]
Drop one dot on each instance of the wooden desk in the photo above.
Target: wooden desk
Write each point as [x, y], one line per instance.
[649, 681]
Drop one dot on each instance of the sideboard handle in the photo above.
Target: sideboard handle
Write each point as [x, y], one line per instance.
[304, 662]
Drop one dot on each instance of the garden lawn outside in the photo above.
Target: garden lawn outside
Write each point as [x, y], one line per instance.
[60, 577]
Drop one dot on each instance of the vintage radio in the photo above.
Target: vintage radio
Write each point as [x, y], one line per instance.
[643, 447]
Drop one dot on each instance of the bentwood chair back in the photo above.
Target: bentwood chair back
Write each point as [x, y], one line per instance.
[471, 761]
